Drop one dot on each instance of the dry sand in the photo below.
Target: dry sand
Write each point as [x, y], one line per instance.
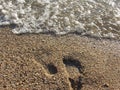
[47, 62]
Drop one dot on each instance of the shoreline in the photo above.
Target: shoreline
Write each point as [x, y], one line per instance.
[45, 62]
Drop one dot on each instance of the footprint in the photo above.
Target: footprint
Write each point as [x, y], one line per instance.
[42, 57]
[69, 61]
[75, 71]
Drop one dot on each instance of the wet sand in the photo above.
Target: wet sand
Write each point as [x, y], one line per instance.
[47, 62]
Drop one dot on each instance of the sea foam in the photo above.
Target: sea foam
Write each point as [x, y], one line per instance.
[99, 18]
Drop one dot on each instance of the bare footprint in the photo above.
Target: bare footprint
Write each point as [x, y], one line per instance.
[41, 57]
[75, 71]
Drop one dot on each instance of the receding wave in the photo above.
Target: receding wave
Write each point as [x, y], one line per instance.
[100, 18]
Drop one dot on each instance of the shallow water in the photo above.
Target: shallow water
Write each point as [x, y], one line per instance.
[99, 18]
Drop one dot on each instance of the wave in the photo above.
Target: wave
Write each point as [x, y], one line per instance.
[99, 18]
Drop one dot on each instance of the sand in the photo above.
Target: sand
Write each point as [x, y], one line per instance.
[47, 62]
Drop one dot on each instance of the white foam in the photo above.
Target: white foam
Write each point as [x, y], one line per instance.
[95, 17]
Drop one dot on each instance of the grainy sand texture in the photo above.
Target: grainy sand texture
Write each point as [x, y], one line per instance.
[47, 62]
